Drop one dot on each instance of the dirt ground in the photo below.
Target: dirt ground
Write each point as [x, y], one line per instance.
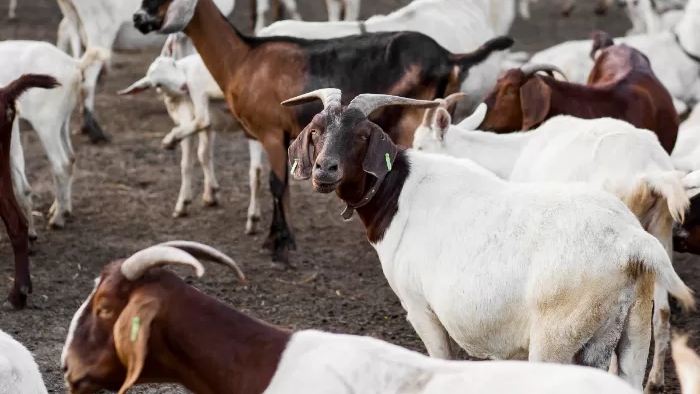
[124, 194]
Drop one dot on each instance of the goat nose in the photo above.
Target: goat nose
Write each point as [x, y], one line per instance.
[328, 165]
[138, 16]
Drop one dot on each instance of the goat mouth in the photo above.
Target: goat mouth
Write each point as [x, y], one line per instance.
[325, 187]
[82, 385]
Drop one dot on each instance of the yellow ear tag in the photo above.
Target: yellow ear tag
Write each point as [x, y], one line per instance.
[135, 325]
[388, 161]
[294, 166]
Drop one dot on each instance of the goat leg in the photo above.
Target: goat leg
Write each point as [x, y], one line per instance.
[92, 128]
[18, 232]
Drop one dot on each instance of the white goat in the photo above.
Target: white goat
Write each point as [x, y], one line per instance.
[675, 63]
[550, 272]
[105, 23]
[49, 113]
[457, 25]
[569, 149]
[187, 88]
[686, 152]
[646, 19]
[19, 373]
[350, 9]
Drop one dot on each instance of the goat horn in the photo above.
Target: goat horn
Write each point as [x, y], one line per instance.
[368, 102]
[135, 266]
[530, 69]
[327, 96]
[206, 252]
[449, 100]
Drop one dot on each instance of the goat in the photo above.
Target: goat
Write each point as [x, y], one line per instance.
[685, 158]
[346, 10]
[19, 373]
[674, 56]
[487, 293]
[687, 365]
[646, 17]
[244, 68]
[566, 149]
[621, 85]
[107, 24]
[10, 211]
[187, 88]
[127, 332]
[457, 25]
[49, 113]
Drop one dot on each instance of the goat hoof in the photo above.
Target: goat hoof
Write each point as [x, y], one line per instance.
[168, 145]
[56, 224]
[18, 296]
[210, 201]
[32, 247]
[654, 388]
[180, 214]
[251, 225]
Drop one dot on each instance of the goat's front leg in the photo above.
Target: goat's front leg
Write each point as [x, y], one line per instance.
[18, 232]
[662, 337]
[352, 10]
[291, 7]
[205, 153]
[184, 199]
[261, 7]
[255, 150]
[433, 334]
[334, 10]
[184, 130]
[23, 192]
[281, 239]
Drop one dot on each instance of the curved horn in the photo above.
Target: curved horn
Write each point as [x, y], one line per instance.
[428, 116]
[206, 252]
[155, 256]
[530, 69]
[368, 102]
[473, 121]
[327, 96]
[449, 100]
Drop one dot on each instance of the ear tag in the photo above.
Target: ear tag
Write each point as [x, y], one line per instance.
[294, 166]
[135, 325]
[388, 161]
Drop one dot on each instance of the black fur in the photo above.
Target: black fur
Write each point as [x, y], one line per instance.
[280, 237]
[92, 128]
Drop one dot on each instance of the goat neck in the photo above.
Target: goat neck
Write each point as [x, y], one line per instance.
[221, 46]
[226, 351]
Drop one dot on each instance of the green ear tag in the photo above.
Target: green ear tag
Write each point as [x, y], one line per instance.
[388, 161]
[294, 166]
[135, 325]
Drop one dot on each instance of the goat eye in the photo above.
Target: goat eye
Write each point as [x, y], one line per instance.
[364, 137]
[104, 313]
[314, 131]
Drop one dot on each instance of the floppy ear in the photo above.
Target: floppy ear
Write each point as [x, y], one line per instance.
[136, 87]
[299, 156]
[380, 145]
[441, 123]
[535, 100]
[131, 333]
[178, 16]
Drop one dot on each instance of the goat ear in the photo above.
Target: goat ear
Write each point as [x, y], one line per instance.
[535, 100]
[132, 331]
[136, 87]
[299, 156]
[380, 145]
[441, 123]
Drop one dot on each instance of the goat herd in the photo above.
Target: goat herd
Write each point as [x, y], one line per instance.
[552, 245]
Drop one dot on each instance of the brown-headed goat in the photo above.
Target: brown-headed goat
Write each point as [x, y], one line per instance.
[256, 73]
[621, 85]
[15, 222]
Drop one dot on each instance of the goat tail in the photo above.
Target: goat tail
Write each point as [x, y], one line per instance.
[27, 81]
[647, 254]
[93, 54]
[601, 40]
[466, 60]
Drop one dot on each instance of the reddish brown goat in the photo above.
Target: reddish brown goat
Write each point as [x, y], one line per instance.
[12, 216]
[621, 85]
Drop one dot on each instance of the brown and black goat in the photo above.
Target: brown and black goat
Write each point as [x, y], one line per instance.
[15, 222]
[621, 85]
[257, 73]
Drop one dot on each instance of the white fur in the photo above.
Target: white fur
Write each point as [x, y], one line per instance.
[335, 7]
[74, 323]
[108, 24]
[608, 153]
[187, 88]
[678, 72]
[311, 364]
[19, 373]
[458, 25]
[49, 112]
[12, 13]
[645, 19]
[490, 264]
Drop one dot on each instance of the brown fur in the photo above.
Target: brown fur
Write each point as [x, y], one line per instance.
[185, 337]
[621, 85]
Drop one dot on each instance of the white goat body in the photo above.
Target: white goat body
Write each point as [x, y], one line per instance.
[310, 364]
[49, 112]
[335, 8]
[677, 71]
[645, 19]
[19, 373]
[188, 88]
[457, 25]
[607, 153]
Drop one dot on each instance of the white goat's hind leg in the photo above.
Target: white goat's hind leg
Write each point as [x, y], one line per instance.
[352, 10]
[291, 7]
[186, 169]
[662, 332]
[633, 346]
[430, 331]
[62, 167]
[256, 152]
[23, 191]
[205, 153]
[333, 10]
